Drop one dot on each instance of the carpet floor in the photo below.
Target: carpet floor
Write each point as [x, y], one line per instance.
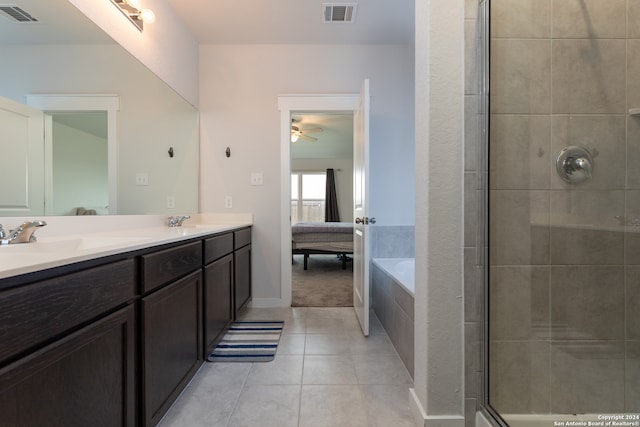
[323, 284]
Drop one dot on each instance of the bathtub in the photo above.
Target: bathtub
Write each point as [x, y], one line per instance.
[392, 299]
[403, 270]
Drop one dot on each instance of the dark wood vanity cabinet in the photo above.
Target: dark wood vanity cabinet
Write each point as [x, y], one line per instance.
[171, 343]
[170, 325]
[242, 269]
[113, 341]
[218, 289]
[73, 344]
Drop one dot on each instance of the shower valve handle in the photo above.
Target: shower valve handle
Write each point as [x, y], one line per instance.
[574, 164]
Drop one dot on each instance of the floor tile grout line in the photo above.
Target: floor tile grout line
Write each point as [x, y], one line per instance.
[235, 404]
[304, 350]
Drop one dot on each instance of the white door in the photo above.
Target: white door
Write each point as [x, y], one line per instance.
[360, 209]
[22, 171]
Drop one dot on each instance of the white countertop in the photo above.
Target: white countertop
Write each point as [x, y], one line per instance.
[67, 240]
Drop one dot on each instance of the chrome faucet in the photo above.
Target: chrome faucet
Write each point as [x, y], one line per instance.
[176, 221]
[21, 234]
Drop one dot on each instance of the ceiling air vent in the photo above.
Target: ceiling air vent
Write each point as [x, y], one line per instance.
[340, 12]
[16, 14]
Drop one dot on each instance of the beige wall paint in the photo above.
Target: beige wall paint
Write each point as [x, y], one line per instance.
[152, 117]
[439, 361]
[239, 93]
[166, 47]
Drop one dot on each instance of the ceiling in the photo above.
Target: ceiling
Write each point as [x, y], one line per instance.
[227, 22]
[295, 22]
[58, 22]
[334, 142]
[93, 123]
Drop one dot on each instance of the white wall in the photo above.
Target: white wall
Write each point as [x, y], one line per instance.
[439, 350]
[79, 170]
[151, 119]
[239, 86]
[166, 47]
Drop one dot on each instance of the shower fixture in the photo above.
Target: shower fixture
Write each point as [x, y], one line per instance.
[574, 164]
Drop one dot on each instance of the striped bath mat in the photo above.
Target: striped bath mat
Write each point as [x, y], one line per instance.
[255, 341]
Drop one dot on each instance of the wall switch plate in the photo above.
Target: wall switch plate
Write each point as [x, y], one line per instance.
[228, 202]
[142, 178]
[171, 202]
[257, 178]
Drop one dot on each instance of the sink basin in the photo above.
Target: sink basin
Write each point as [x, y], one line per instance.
[69, 245]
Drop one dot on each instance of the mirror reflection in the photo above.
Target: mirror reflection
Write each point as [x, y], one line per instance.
[79, 160]
[64, 53]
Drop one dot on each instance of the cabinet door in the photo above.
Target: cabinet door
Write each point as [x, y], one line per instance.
[242, 264]
[218, 300]
[84, 379]
[171, 343]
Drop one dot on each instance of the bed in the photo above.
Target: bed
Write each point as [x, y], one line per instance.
[309, 238]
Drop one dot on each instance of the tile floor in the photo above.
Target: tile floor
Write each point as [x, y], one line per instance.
[326, 373]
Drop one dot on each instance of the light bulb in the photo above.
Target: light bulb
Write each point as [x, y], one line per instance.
[147, 16]
[134, 3]
[294, 137]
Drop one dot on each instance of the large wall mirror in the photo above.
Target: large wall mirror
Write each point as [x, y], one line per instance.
[53, 49]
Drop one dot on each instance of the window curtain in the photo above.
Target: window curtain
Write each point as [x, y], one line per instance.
[331, 213]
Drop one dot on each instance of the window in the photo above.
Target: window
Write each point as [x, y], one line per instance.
[308, 196]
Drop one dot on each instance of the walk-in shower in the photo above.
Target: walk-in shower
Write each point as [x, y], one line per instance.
[563, 285]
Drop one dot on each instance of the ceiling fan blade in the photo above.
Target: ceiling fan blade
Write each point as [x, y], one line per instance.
[311, 130]
[308, 138]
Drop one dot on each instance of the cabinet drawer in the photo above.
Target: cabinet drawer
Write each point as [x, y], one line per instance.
[242, 238]
[35, 313]
[217, 247]
[164, 266]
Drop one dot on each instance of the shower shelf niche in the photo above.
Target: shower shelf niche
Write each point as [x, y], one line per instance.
[634, 111]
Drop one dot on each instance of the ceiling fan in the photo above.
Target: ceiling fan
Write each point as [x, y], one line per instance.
[297, 133]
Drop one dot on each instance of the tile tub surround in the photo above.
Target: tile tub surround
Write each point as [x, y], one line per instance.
[393, 306]
[395, 241]
[326, 373]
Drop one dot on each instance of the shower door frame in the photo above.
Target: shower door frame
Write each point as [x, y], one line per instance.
[483, 61]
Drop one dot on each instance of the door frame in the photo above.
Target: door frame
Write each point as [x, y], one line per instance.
[288, 104]
[81, 102]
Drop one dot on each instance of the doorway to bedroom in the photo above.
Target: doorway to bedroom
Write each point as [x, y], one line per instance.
[322, 209]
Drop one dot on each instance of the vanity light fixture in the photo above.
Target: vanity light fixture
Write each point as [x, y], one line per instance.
[132, 10]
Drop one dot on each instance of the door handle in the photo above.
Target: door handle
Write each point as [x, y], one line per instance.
[366, 220]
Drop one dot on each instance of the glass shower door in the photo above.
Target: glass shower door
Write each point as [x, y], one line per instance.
[564, 203]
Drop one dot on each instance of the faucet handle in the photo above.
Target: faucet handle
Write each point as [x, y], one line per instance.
[2, 232]
[176, 221]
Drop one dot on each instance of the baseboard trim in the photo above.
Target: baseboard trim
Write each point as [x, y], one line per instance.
[267, 303]
[419, 414]
[483, 421]
[424, 420]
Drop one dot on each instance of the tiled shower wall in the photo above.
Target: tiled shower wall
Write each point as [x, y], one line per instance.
[565, 258]
[473, 223]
